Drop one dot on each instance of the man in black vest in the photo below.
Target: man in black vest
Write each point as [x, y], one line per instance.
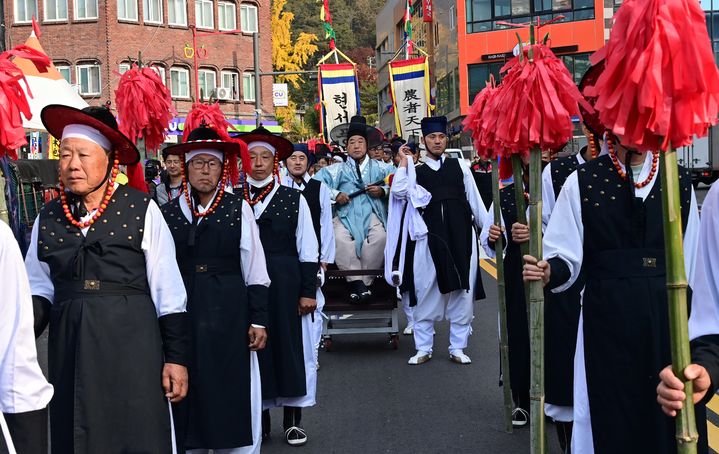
[448, 289]
[224, 271]
[317, 196]
[607, 223]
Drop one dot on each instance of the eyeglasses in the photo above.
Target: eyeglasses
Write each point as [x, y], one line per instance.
[199, 164]
[172, 163]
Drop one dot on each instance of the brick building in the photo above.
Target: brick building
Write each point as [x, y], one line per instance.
[91, 41]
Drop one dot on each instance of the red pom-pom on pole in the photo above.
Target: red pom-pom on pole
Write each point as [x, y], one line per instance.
[482, 138]
[13, 102]
[661, 81]
[144, 106]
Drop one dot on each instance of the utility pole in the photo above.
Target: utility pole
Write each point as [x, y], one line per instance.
[258, 84]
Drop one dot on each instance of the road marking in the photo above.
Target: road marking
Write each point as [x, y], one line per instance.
[712, 429]
[489, 267]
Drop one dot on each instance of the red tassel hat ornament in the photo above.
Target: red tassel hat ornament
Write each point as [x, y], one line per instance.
[13, 102]
[144, 106]
[660, 87]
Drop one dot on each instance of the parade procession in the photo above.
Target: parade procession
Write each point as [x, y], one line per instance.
[485, 227]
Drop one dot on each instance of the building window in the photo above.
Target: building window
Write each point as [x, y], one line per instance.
[204, 14]
[85, 9]
[161, 73]
[179, 83]
[88, 79]
[231, 83]
[177, 12]
[152, 11]
[248, 17]
[25, 10]
[478, 76]
[55, 10]
[208, 83]
[227, 16]
[483, 15]
[577, 64]
[248, 87]
[127, 10]
[64, 71]
[123, 68]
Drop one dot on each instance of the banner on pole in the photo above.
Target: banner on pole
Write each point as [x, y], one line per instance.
[409, 83]
[427, 11]
[339, 95]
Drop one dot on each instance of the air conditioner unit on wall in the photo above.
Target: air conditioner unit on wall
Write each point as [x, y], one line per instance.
[224, 93]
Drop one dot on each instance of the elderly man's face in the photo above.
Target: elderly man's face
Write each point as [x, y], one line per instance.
[262, 161]
[357, 147]
[83, 165]
[297, 164]
[204, 172]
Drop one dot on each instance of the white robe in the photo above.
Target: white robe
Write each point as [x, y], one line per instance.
[564, 239]
[23, 387]
[457, 307]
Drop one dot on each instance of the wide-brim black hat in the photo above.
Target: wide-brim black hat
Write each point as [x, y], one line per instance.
[203, 137]
[55, 117]
[357, 127]
[283, 147]
[591, 120]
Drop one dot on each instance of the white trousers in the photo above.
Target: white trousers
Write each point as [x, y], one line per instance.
[408, 310]
[582, 438]
[372, 255]
[309, 351]
[432, 306]
[256, 403]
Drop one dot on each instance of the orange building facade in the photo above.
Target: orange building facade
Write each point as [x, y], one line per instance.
[485, 45]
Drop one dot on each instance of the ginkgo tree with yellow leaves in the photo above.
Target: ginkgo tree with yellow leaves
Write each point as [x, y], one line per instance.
[290, 55]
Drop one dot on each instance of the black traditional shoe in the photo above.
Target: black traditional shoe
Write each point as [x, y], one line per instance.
[520, 417]
[296, 436]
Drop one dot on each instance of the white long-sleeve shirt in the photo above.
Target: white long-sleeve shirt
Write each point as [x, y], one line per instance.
[23, 387]
[163, 274]
[327, 231]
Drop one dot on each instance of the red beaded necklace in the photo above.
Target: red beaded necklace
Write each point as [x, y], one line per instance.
[267, 190]
[623, 174]
[218, 198]
[110, 188]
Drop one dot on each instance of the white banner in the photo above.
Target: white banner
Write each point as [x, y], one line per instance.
[411, 106]
[339, 95]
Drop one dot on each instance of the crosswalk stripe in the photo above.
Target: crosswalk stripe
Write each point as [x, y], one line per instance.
[486, 266]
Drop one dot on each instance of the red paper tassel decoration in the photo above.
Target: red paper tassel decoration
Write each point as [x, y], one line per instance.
[13, 102]
[483, 139]
[144, 106]
[534, 104]
[660, 86]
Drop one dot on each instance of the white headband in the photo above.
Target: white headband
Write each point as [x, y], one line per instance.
[216, 153]
[252, 145]
[88, 133]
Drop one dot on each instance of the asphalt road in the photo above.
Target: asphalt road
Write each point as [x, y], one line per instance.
[371, 401]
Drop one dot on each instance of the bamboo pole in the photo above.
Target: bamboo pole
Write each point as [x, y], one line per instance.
[521, 214]
[686, 432]
[503, 336]
[536, 311]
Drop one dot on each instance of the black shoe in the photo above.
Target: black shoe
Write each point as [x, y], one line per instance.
[520, 417]
[295, 436]
[356, 289]
[265, 425]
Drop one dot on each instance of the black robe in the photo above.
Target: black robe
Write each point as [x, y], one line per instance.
[625, 314]
[105, 345]
[217, 411]
[561, 316]
[517, 325]
[282, 361]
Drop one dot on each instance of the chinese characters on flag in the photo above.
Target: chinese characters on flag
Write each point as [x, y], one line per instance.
[409, 81]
